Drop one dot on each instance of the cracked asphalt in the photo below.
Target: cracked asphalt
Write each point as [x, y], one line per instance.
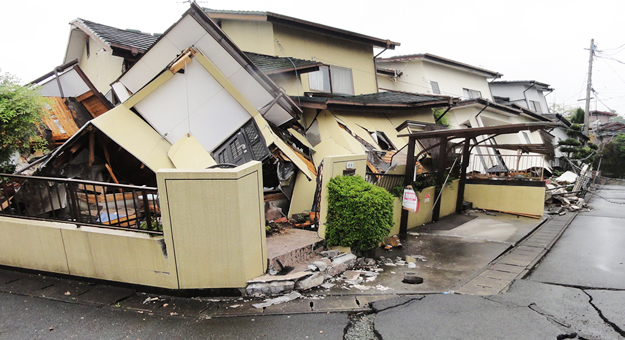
[576, 292]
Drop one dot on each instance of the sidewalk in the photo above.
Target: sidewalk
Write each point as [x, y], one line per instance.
[482, 272]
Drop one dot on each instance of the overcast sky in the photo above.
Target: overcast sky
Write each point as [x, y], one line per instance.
[543, 40]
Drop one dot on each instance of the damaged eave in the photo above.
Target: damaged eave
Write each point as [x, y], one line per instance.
[478, 131]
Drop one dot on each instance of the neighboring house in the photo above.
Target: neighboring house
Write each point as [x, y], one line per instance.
[427, 73]
[347, 58]
[601, 117]
[560, 133]
[105, 52]
[529, 94]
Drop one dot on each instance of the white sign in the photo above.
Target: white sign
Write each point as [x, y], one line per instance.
[350, 165]
[410, 201]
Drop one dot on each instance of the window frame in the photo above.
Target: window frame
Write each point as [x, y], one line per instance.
[331, 79]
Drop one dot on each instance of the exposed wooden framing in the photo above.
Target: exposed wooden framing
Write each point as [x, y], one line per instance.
[108, 167]
[91, 148]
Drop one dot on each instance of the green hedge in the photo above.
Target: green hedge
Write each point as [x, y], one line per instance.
[360, 215]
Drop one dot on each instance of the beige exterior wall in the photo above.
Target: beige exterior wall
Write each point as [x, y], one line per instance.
[260, 37]
[334, 166]
[303, 194]
[518, 199]
[215, 222]
[421, 217]
[90, 252]
[251, 36]
[101, 67]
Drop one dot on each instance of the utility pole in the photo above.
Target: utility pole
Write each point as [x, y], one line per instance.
[589, 87]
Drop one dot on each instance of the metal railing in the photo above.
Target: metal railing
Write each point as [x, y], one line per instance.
[386, 181]
[506, 166]
[115, 206]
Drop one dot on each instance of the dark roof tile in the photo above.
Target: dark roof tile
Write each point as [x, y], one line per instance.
[125, 38]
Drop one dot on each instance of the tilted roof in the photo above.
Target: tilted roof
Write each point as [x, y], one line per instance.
[389, 99]
[443, 61]
[271, 65]
[301, 24]
[116, 37]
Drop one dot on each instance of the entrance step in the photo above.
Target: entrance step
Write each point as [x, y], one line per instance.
[294, 247]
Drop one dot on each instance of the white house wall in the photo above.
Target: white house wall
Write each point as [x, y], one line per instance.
[515, 93]
[189, 33]
[418, 74]
[193, 102]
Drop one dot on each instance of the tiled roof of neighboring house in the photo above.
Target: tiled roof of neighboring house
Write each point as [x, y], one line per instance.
[270, 64]
[440, 60]
[397, 99]
[301, 24]
[602, 113]
[524, 82]
[116, 37]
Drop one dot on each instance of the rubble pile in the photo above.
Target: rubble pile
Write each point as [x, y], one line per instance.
[560, 199]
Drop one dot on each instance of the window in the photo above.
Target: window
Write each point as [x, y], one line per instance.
[527, 137]
[435, 88]
[471, 94]
[243, 146]
[535, 106]
[332, 79]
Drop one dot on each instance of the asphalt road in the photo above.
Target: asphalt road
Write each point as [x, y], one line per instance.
[577, 291]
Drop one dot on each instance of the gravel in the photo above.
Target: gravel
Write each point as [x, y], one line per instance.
[361, 328]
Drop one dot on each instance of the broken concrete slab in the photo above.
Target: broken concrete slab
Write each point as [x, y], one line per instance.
[330, 253]
[310, 282]
[321, 265]
[282, 299]
[341, 264]
[293, 276]
[269, 288]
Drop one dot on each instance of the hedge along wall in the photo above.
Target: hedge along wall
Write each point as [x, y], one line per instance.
[360, 215]
[448, 207]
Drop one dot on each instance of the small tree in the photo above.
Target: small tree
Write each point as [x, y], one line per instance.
[360, 215]
[578, 116]
[21, 113]
[613, 157]
[437, 117]
[575, 149]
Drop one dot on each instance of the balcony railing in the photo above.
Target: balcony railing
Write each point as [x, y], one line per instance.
[114, 206]
[506, 166]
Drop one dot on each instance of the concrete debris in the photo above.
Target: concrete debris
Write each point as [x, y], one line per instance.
[313, 267]
[327, 285]
[150, 299]
[269, 288]
[412, 265]
[282, 299]
[351, 275]
[567, 177]
[330, 253]
[322, 265]
[312, 281]
[341, 263]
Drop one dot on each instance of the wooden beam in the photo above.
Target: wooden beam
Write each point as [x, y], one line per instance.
[91, 148]
[463, 174]
[408, 177]
[440, 177]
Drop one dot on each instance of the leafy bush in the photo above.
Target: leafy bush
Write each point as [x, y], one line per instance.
[360, 215]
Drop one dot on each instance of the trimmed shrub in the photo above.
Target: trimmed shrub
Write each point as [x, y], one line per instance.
[360, 215]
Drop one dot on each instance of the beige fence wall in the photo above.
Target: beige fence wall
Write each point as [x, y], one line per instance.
[517, 199]
[214, 236]
[336, 166]
[448, 206]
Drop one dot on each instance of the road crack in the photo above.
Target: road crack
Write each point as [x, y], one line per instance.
[614, 326]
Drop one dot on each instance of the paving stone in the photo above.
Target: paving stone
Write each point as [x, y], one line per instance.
[65, 290]
[472, 288]
[499, 275]
[507, 268]
[335, 304]
[104, 295]
[292, 307]
[243, 308]
[490, 282]
[7, 276]
[184, 307]
[523, 262]
[365, 300]
[380, 305]
[28, 285]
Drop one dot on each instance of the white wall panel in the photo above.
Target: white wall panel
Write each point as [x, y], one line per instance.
[71, 82]
[186, 33]
[220, 57]
[137, 76]
[253, 91]
[159, 56]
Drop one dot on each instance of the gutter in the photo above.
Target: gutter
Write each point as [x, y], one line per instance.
[524, 96]
[375, 67]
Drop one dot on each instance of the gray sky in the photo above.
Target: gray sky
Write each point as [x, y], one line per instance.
[525, 40]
